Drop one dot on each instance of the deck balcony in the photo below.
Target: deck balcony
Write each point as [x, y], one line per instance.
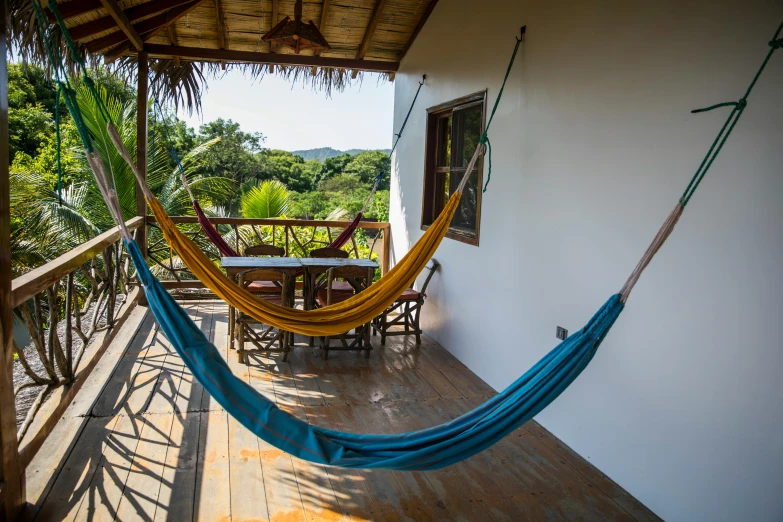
[126, 433]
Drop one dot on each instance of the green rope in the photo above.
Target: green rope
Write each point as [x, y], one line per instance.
[64, 84]
[738, 108]
[484, 139]
[58, 145]
[77, 58]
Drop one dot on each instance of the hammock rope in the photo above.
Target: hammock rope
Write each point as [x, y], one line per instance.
[387, 163]
[738, 109]
[484, 139]
[425, 449]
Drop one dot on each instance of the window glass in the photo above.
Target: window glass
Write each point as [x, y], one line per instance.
[444, 141]
[453, 132]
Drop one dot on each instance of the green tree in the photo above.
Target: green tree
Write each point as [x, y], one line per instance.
[367, 165]
[45, 227]
[332, 167]
[291, 170]
[310, 205]
[235, 156]
[29, 120]
[343, 183]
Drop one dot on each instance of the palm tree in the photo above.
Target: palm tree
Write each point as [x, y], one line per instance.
[48, 227]
[270, 199]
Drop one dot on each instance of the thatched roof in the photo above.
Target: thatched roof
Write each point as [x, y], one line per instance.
[188, 40]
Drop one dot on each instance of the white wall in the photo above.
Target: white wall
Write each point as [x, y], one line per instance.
[593, 144]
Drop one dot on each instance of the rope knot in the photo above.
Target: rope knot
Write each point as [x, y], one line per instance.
[484, 138]
[742, 103]
[776, 44]
[88, 82]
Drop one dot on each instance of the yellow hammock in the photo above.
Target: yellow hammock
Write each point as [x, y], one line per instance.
[329, 320]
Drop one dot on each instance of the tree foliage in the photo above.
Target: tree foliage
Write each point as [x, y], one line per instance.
[270, 199]
[228, 169]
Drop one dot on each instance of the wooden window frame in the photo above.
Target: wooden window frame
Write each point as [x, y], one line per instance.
[431, 168]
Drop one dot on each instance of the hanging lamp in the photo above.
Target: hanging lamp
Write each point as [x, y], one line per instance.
[296, 34]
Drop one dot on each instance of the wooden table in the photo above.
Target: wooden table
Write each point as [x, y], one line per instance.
[235, 266]
[315, 266]
[311, 267]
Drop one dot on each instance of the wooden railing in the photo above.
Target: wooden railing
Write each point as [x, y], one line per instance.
[297, 236]
[71, 307]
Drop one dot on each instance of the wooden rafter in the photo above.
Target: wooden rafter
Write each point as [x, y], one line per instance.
[201, 54]
[221, 27]
[322, 22]
[145, 28]
[75, 8]
[371, 26]
[161, 21]
[417, 29]
[124, 24]
[171, 30]
[106, 23]
[275, 15]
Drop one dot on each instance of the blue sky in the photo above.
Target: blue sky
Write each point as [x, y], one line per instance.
[297, 117]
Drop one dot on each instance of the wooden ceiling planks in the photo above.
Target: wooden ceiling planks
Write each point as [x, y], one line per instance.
[372, 30]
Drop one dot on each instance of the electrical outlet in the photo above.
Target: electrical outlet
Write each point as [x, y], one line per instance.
[561, 333]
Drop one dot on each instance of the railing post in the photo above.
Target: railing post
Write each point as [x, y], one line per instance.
[385, 257]
[11, 472]
[141, 146]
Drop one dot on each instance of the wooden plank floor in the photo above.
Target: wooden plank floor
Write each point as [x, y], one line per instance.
[156, 447]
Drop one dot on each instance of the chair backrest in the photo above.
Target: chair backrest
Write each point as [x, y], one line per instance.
[328, 252]
[435, 266]
[265, 250]
[266, 274]
[364, 276]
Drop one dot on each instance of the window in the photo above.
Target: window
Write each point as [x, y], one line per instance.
[453, 131]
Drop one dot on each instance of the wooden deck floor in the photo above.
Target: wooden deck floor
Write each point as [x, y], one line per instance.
[154, 446]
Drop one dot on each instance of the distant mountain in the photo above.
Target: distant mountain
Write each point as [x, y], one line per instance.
[328, 152]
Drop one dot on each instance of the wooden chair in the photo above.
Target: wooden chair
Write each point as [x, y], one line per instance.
[267, 336]
[359, 339]
[328, 252]
[333, 252]
[408, 309]
[264, 287]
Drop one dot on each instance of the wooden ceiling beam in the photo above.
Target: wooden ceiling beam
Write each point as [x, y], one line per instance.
[221, 26]
[147, 29]
[75, 8]
[371, 26]
[322, 22]
[274, 19]
[124, 24]
[80, 32]
[200, 54]
[423, 20]
[221, 37]
[172, 34]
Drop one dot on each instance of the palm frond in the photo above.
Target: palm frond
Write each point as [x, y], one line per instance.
[270, 199]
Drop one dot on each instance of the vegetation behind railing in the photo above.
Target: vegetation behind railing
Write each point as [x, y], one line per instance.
[63, 304]
[297, 236]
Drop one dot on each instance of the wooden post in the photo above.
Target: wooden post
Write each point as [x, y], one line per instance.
[141, 146]
[11, 473]
[385, 253]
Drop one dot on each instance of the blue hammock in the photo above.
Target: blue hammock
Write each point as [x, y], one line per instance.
[430, 448]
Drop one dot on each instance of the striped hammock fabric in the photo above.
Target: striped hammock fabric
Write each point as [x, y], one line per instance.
[430, 448]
